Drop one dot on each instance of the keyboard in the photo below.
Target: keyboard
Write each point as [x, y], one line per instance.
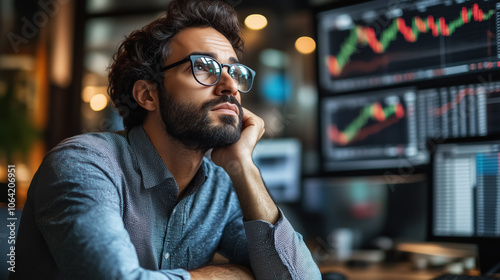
[463, 277]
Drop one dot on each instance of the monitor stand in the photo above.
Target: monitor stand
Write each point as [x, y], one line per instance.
[488, 258]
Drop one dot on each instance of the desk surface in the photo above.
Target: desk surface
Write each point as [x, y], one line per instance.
[378, 270]
[400, 271]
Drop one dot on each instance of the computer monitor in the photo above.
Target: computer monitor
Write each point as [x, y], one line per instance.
[355, 203]
[368, 44]
[464, 177]
[393, 74]
[279, 161]
[370, 130]
[368, 205]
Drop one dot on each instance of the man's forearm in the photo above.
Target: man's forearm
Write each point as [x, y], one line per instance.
[222, 271]
[255, 202]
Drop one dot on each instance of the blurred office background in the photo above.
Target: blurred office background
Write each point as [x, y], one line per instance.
[54, 56]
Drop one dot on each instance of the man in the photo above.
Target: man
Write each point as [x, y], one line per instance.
[146, 203]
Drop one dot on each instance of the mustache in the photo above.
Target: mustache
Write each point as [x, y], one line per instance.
[223, 99]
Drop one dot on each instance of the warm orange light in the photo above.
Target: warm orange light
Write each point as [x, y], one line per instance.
[305, 45]
[255, 21]
[98, 102]
[89, 91]
[87, 94]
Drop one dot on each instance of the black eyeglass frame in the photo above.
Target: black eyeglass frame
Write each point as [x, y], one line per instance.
[193, 58]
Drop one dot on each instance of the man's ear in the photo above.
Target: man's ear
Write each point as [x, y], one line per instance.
[146, 94]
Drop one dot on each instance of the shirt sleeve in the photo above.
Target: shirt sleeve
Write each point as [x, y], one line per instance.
[278, 251]
[77, 209]
[233, 244]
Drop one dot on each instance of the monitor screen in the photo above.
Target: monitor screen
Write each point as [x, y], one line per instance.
[466, 189]
[372, 130]
[380, 43]
[369, 206]
[279, 161]
[355, 203]
[465, 195]
[393, 74]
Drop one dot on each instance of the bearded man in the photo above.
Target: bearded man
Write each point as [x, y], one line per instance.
[147, 202]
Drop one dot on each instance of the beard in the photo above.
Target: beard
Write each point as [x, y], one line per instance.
[191, 125]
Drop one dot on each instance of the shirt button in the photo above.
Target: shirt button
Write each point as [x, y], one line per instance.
[167, 255]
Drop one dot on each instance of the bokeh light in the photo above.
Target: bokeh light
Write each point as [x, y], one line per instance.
[256, 21]
[98, 102]
[305, 45]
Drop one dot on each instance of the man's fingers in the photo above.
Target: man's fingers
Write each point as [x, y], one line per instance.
[250, 118]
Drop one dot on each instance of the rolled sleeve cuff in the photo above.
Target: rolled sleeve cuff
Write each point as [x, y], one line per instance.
[263, 232]
[278, 250]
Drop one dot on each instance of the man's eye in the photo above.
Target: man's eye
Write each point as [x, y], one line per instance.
[201, 67]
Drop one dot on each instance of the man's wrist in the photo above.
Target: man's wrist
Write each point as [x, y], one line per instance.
[255, 202]
[238, 167]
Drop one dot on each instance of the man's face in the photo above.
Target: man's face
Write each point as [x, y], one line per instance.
[193, 113]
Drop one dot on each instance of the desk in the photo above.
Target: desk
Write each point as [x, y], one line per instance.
[394, 271]
[400, 271]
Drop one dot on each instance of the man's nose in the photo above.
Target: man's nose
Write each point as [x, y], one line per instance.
[227, 85]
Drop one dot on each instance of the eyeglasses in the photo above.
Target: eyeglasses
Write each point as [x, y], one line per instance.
[207, 71]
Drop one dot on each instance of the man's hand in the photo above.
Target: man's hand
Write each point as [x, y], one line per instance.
[231, 158]
[222, 271]
[255, 202]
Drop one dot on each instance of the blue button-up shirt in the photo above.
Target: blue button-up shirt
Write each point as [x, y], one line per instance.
[104, 206]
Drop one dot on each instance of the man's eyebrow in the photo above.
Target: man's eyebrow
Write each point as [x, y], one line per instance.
[233, 60]
[213, 55]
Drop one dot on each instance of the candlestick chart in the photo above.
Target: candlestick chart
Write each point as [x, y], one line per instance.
[369, 120]
[412, 44]
[400, 29]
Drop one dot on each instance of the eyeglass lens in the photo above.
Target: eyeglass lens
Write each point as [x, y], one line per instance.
[208, 71]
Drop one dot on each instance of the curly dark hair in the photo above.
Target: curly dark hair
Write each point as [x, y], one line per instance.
[142, 53]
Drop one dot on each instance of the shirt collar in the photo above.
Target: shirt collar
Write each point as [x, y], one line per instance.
[153, 169]
[198, 180]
